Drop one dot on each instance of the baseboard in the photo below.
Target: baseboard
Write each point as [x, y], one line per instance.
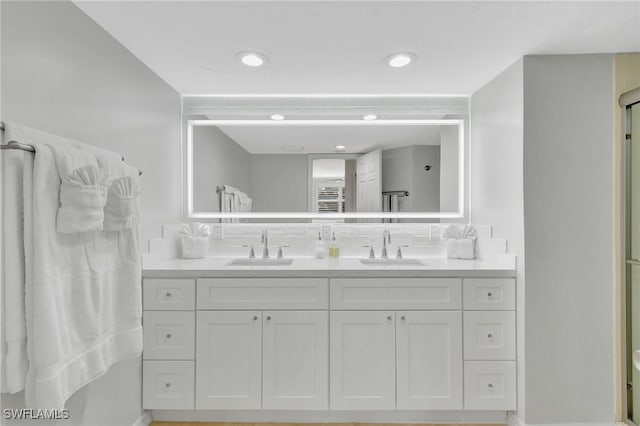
[144, 419]
[514, 420]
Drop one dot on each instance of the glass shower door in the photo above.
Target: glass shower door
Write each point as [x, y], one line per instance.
[633, 262]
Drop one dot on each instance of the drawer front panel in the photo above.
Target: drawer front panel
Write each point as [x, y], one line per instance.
[396, 293]
[489, 294]
[169, 335]
[490, 385]
[262, 293]
[490, 335]
[169, 294]
[168, 385]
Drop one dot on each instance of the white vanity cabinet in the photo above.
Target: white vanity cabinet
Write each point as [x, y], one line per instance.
[268, 349]
[408, 357]
[332, 343]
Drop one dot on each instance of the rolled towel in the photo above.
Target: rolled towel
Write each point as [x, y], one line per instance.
[460, 241]
[121, 203]
[83, 196]
[195, 240]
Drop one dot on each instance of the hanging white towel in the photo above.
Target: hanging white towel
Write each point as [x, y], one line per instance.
[82, 291]
[121, 203]
[14, 336]
[83, 195]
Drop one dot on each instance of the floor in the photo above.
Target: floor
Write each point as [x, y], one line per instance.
[306, 424]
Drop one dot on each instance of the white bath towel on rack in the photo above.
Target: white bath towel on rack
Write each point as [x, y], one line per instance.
[82, 291]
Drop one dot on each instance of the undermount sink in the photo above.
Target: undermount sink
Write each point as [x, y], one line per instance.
[259, 262]
[391, 261]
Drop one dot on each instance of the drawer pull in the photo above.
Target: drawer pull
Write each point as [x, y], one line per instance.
[168, 294]
[490, 386]
[389, 318]
[489, 294]
[490, 336]
[168, 335]
[403, 318]
[255, 318]
[167, 385]
[268, 318]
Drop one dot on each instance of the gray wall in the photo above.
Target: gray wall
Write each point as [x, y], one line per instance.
[496, 177]
[403, 170]
[426, 184]
[217, 160]
[279, 182]
[568, 205]
[449, 169]
[63, 74]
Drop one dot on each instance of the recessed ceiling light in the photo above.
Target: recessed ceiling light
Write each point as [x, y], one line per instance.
[341, 147]
[399, 60]
[370, 117]
[252, 59]
[277, 117]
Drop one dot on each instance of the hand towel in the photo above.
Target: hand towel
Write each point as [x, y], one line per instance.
[460, 241]
[195, 240]
[82, 292]
[83, 195]
[121, 203]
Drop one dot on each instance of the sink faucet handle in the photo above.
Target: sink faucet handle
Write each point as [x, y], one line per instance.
[280, 250]
[252, 253]
[372, 254]
[399, 252]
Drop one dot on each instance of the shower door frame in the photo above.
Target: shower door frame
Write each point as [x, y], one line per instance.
[626, 101]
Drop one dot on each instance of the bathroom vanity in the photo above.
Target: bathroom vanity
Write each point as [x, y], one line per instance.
[330, 336]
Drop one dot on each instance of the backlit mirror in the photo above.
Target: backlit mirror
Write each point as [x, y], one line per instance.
[393, 170]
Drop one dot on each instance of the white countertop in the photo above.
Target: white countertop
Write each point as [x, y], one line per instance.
[502, 266]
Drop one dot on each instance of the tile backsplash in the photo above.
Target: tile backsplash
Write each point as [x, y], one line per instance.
[229, 239]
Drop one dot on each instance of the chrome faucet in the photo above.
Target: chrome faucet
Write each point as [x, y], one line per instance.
[265, 241]
[386, 238]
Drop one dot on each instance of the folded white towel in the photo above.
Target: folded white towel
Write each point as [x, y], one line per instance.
[195, 240]
[83, 195]
[121, 203]
[245, 202]
[460, 241]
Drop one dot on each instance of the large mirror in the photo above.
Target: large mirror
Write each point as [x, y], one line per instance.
[394, 170]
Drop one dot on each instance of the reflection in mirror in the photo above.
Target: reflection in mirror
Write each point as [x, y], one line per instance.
[324, 170]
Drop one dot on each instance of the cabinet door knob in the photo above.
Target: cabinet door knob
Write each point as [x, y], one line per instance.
[167, 385]
[255, 318]
[168, 294]
[389, 317]
[168, 335]
[403, 318]
[489, 294]
[489, 335]
[490, 385]
[268, 318]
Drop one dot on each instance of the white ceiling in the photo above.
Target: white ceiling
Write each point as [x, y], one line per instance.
[337, 47]
[323, 138]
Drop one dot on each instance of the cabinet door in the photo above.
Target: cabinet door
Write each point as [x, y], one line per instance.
[228, 360]
[295, 360]
[429, 360]
[362, 355]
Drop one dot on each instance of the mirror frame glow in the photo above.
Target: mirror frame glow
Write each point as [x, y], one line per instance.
[460, 213]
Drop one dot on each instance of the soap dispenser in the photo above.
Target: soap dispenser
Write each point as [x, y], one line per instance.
[334, 250]
[319, 250]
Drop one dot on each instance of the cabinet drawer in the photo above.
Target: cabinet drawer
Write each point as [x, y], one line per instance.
[169, 294]
[490, 385]
[489, 294]
[262, 293]
[396, 293]
[167, 385]
[168, 335]
[490, 335]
